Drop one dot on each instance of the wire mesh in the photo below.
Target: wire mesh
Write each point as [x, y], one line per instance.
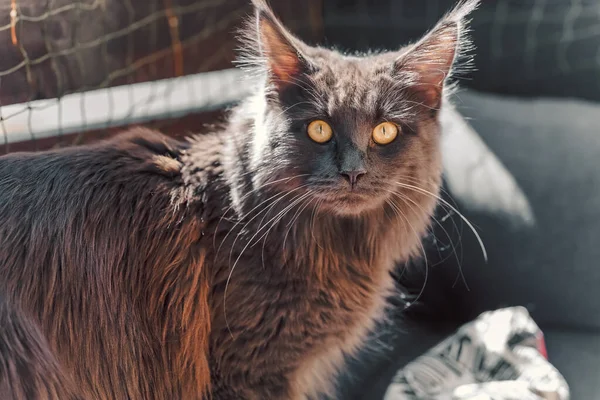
[57, 47]
[51, 49]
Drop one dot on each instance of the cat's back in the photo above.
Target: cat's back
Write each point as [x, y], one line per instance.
[90, 237]
[101, 195]
[71, 172]
[43, 194]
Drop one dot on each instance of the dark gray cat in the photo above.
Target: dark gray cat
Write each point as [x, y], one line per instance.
[242, 264]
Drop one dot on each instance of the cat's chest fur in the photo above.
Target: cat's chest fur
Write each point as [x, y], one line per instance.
[356, 288]
[290, 297]
[291, 310]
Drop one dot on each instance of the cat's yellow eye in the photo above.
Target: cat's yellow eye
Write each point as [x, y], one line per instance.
[319, 131]
[385, 133]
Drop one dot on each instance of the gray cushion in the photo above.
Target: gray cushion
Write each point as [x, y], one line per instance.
[576, 354]
[391, 348]
[552, 148]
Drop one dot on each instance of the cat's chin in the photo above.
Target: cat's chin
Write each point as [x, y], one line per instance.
[350, 205]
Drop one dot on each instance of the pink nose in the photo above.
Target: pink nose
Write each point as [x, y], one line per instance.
[352, 176]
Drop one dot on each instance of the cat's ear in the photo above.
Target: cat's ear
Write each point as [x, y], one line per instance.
[281, 51]
[429, 62]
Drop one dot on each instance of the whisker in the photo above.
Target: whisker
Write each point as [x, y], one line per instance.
[417, 181]
[403, 198]
[395, 206]
[290, 107]
[449, 213]
[406, 198]
[312, 222]
[300, 196]
[295, 218]
[245, 196]
[459, 263]
[426, 192]
[281, 197]
[262, 203]
[281, 214]
[259, 227]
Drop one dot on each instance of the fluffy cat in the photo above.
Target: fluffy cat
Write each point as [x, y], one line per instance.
[242, 264]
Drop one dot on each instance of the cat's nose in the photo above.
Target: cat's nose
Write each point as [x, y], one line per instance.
[352, 176]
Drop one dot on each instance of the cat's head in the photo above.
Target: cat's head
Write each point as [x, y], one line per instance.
[346, 129]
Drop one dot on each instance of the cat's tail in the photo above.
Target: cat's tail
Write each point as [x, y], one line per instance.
[28, 369]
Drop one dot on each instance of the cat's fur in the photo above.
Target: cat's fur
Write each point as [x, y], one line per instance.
[239, 264]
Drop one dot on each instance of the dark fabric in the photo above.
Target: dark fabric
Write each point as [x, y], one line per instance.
[394, 346]
[576, 354]
[550, 43]
[552, 148]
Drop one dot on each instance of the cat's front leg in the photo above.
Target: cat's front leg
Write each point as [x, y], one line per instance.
[273, 387]
[28, 368]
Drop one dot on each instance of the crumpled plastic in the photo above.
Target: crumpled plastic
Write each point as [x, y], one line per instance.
[501, 355]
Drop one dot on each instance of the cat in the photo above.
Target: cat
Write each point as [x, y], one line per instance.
[240, 264]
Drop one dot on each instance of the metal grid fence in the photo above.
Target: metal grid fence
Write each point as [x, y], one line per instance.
[71, 66]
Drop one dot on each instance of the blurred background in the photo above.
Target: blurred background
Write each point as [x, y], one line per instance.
[55, 48]
[74, 71]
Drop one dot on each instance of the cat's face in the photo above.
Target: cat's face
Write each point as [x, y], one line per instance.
[353, 131]
[348, 131]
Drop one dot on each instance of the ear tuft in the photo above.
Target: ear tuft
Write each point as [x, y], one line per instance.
[269, 46]
[462, 9]
[284, 60]
[261, 6]
[430, 61]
